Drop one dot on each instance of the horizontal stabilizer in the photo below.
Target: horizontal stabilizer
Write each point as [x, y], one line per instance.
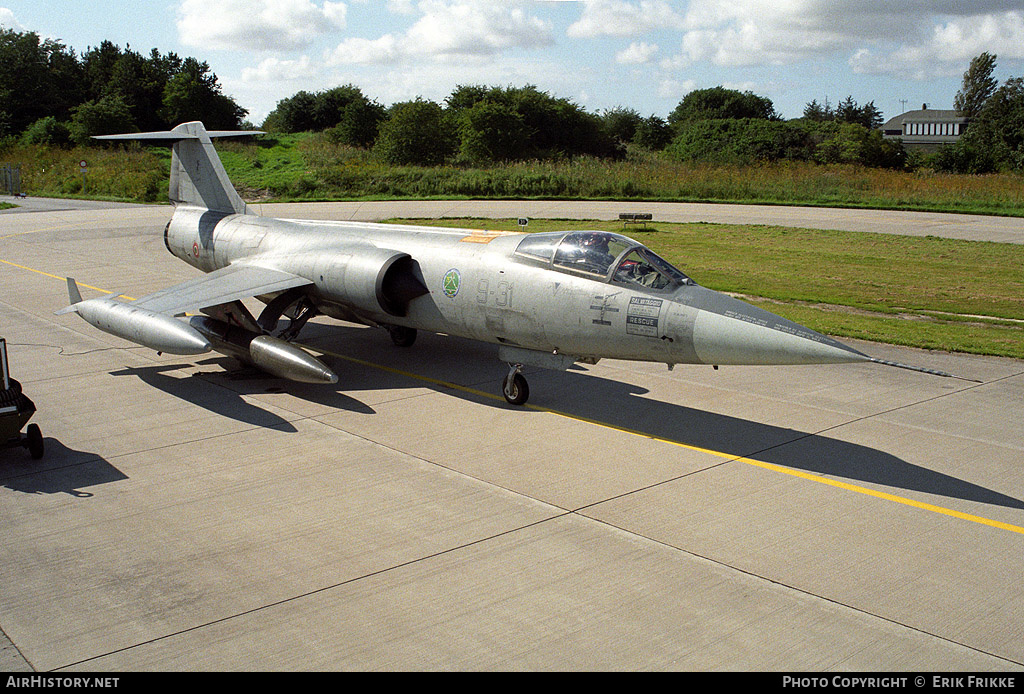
[176, 136]
[198, 178]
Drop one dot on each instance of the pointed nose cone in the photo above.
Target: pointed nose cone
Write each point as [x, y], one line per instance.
[729, 331]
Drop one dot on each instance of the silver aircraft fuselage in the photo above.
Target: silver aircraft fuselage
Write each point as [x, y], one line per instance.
[547, 300]
[480, 287]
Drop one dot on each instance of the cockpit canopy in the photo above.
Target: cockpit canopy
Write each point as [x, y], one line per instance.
[603, 255]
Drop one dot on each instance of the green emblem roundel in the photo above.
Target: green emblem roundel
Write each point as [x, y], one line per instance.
[451, 282]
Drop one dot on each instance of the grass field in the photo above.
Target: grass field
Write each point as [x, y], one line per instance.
[926, 292]
[310, 167]
[961, 296]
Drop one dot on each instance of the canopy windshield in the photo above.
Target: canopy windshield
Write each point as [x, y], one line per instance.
[603, 255]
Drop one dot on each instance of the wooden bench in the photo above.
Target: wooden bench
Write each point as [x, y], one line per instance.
[635, 218]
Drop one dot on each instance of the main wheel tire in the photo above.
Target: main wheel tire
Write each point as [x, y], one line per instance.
[402, 336]
[516, 391]
[35, 441]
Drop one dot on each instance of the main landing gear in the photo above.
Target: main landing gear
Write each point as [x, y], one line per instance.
[515, 388]
[402, 336]
[302, 312]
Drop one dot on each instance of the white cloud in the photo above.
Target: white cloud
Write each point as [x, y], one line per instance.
[356, 50]
[277, 70]
[431, 81]
[257, 24]
[621, 18]
[467, 28]
[638, 53]
[914, 37]
[748, 32]
[7, 20]
[949, 47]
[401, 6]
[674, 89]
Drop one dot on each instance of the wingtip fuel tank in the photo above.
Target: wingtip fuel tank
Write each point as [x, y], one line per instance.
[143, 327]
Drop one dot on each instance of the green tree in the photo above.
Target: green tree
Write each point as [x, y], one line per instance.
[359, 123]
[740, 141]
[552, 126]
[978, 85]
[140, 84]
[848, 111]
[344, 111]
[37, 79]
[107, 116]
[416, 132]
[652, 133]
[621, 124]
[466, 96]
[47, 131]
[490, 132]
[626, 126]
[194, 94]
[329, 106]
[853, 143]
[819, 113]
[719, 102]
[293, 114]
[98, 65]
[994, 141]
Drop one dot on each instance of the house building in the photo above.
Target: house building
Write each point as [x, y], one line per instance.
[926, 129]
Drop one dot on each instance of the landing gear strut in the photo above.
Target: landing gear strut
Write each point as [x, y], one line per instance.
[514, 387]
[303, 311]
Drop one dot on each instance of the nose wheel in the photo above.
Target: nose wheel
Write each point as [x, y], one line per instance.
[514, 387]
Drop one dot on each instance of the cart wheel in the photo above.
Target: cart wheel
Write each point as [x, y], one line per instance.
[11, 395]
[35, 441]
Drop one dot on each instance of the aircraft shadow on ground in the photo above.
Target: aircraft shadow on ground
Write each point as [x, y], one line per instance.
[251, 381]
[198, 391]
[60, 470]
[581, 394]
[620, 405]
[576, 393]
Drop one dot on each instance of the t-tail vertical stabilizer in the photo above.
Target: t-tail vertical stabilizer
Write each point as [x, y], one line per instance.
[198, 178]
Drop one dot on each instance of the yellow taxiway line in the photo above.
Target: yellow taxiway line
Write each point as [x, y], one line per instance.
[718, 454]
[819, 479]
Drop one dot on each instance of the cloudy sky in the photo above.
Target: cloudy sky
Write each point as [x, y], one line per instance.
[642, 54]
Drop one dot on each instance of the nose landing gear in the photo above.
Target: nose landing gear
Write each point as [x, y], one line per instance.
[514, 387]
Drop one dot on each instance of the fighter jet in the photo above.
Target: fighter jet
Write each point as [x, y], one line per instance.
[546, 300]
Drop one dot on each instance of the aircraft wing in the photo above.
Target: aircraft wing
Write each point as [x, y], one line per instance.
[237, 281]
